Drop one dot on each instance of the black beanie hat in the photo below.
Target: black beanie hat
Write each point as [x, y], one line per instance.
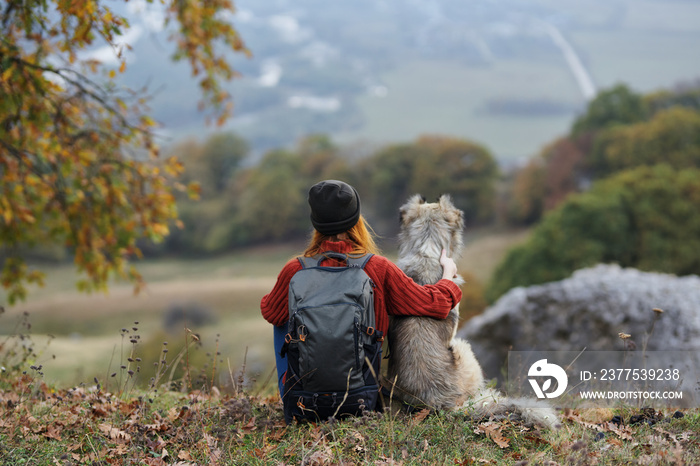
[335, 207]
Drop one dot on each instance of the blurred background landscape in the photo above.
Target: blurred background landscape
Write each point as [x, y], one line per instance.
[568, 132]
[510, 74]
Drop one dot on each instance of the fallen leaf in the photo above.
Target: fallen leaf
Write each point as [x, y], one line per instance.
[358, 436]
[675, 438]
[420, 416]
[578, 420]
[537, 440]
[114, 433]
[493, 431]
[657, 440]
[319, 457]
[248, 428]
[384, 461]
[264, 451]
[624, 432]
[157, 427]
[120, 449]
[154, 461]
[277, 433]
[614, 441]
[214, 451]
[53, 431]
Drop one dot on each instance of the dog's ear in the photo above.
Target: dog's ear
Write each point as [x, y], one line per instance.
[412, 202]
[445, 201]
[456, 215]
[416, 199]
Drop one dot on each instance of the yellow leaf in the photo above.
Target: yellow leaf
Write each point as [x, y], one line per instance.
[27, 217]
[7, 215]
[122, 67]
[112, 74]
[160, 229]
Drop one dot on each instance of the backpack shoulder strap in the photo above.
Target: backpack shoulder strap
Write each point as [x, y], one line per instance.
[359, 261]
[307, 262]
[315, 261]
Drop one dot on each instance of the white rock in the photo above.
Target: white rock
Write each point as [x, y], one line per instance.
[589, 310]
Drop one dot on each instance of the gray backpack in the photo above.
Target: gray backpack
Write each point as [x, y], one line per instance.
[332, 346]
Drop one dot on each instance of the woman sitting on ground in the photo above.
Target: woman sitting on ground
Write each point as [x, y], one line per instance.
[339, 227]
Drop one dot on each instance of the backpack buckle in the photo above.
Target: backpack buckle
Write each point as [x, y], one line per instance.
[302, 332]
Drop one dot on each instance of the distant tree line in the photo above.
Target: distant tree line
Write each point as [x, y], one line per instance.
[622, 187]
[243, 205]
[620, 130]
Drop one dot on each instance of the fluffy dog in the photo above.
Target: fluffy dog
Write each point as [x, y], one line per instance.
[428, 365]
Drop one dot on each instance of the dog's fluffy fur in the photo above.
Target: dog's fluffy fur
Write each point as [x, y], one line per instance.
[428, 365]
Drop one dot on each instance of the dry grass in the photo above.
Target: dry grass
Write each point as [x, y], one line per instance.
[40, 425]
[86, 328]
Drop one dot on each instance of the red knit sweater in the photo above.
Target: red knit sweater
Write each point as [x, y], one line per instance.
[395, 292]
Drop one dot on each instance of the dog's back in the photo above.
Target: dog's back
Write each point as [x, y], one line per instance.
[427, 365]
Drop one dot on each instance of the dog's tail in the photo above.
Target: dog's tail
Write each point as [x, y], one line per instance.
[490, 403]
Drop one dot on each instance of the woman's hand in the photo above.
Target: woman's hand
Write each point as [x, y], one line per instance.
[449, 268]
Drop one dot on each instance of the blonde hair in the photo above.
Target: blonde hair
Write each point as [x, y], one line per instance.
[361, 235]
